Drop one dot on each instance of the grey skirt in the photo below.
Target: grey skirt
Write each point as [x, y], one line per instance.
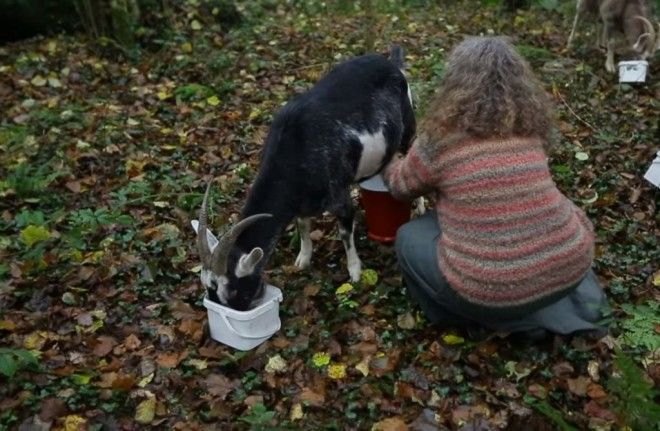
[582, 309]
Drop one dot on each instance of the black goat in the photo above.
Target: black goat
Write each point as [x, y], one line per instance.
[344, 129]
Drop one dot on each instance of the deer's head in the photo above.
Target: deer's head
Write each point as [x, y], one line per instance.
[230, 275]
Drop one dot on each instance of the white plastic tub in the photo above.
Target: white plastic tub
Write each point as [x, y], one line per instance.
[633, 71]
[245, 330]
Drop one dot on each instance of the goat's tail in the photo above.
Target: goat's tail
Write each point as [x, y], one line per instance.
[397, 56]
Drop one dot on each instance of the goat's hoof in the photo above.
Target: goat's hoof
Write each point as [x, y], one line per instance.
[303, 261]
[610, 67]
[355, 271]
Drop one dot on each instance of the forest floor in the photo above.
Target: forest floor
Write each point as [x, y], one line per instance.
[103, 155]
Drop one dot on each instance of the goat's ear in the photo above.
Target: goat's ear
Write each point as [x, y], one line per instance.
[212, 240]
[248, 262]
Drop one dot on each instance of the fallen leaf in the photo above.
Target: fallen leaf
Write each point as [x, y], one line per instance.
[320, 359]
[192, 328]
[51, 409]
[363, 366]
[296, 412]
[344, 289]
[579, 385]
[390, 424]
[146, 411]
[7, 325]
[518, 370]
[595, 391]
[104, 345]
[592, 408]
[38, 81]
[275, 365]
[171, 359]
[132, 342]
[452, 339]
[312, 398]
[36, 340]
[406, 321]
[74, 423]
[220, 386]
[337, 371]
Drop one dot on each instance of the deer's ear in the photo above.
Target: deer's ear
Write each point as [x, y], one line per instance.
[248, 262]
[212, 240]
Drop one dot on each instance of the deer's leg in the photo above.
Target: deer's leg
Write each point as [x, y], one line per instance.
[578, 12]
[345, 212]
[305, 255]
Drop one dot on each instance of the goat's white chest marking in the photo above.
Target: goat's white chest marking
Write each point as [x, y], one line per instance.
[373, 152]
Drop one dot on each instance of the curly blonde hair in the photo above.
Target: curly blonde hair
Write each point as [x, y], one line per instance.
[489, 91]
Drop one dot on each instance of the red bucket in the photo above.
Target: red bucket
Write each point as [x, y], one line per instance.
[384, 214]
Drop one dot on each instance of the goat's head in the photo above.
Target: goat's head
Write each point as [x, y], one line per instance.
[230, 275]
[649, 41]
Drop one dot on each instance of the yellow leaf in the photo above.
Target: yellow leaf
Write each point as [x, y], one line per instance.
[363, 366]
[656, 279]
[195, 25]
[54, 82]
[452, 339]
[146, 410]
[213, 101]
[34, 234]
[74, 423]
[36, 340]
[186, 47]
[200, 364]
[296, 412]
[337, 371]
[275, 364]
[7, 325]
[344, 289]
[38, 81]
[321, 359]
[162, 95]
[369, 277]
[146, 380]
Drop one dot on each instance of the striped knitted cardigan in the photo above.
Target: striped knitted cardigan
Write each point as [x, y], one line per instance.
[509, 238]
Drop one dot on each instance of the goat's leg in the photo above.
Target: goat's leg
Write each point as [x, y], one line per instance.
[420, 206]
[578, 12]
[345, 212]
[607, 36]
[305, 255]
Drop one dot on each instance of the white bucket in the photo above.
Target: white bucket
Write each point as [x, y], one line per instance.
[245, 330]
[633, 71]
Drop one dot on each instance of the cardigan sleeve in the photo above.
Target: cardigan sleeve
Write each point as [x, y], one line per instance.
[409, 176]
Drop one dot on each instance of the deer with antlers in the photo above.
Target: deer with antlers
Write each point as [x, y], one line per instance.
[632, 18]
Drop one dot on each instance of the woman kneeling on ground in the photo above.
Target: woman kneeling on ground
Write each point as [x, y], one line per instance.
[504, 248]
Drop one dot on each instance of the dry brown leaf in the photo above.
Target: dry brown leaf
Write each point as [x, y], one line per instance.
[220, 386]
[579, 385]
[312, 398]
[390, 424]
[192, 328]
[171, 359]
[596, 391]
[104, 345]
[132, 342]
